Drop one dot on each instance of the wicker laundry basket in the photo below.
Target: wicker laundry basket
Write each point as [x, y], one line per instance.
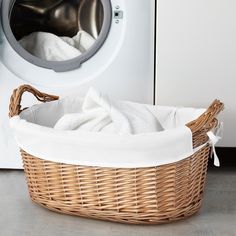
[129, 195]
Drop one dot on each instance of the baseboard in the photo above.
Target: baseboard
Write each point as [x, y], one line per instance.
[227, 157]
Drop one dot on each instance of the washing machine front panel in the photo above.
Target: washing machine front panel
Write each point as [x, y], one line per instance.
[122, 68]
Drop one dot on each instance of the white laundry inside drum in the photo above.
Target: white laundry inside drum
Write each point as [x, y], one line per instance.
[51, 47]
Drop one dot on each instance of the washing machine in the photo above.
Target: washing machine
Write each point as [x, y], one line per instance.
[119, 60]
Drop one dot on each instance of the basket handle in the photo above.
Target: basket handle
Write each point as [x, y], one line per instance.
[206, 122]
[16, 97]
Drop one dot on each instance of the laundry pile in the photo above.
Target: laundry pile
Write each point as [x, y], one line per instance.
[50, 47]
[101, 114]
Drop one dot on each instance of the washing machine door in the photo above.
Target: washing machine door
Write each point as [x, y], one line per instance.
[34, 28]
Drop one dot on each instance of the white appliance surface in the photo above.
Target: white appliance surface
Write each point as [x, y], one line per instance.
[197, 57]
[122, 68]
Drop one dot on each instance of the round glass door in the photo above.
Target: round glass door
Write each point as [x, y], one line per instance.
[56, 34]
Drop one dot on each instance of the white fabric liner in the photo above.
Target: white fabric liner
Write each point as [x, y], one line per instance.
[51, 47]
[35, 133]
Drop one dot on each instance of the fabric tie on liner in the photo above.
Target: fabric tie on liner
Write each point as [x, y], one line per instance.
[213, 140]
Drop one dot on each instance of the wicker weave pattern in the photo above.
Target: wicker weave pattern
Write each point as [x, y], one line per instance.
[129, 195]
[139, 196]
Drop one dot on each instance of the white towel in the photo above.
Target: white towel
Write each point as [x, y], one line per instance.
[50, 47]
[101, 114]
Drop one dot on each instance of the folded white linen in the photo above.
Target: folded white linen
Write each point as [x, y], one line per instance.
[50, 47]
[101, 114]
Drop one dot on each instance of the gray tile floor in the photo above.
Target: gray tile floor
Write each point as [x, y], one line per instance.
[20, 217]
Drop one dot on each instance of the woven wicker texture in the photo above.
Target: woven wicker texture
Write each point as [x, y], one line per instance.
[129, 195]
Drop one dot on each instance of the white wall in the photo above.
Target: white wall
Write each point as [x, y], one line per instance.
[197, 56]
